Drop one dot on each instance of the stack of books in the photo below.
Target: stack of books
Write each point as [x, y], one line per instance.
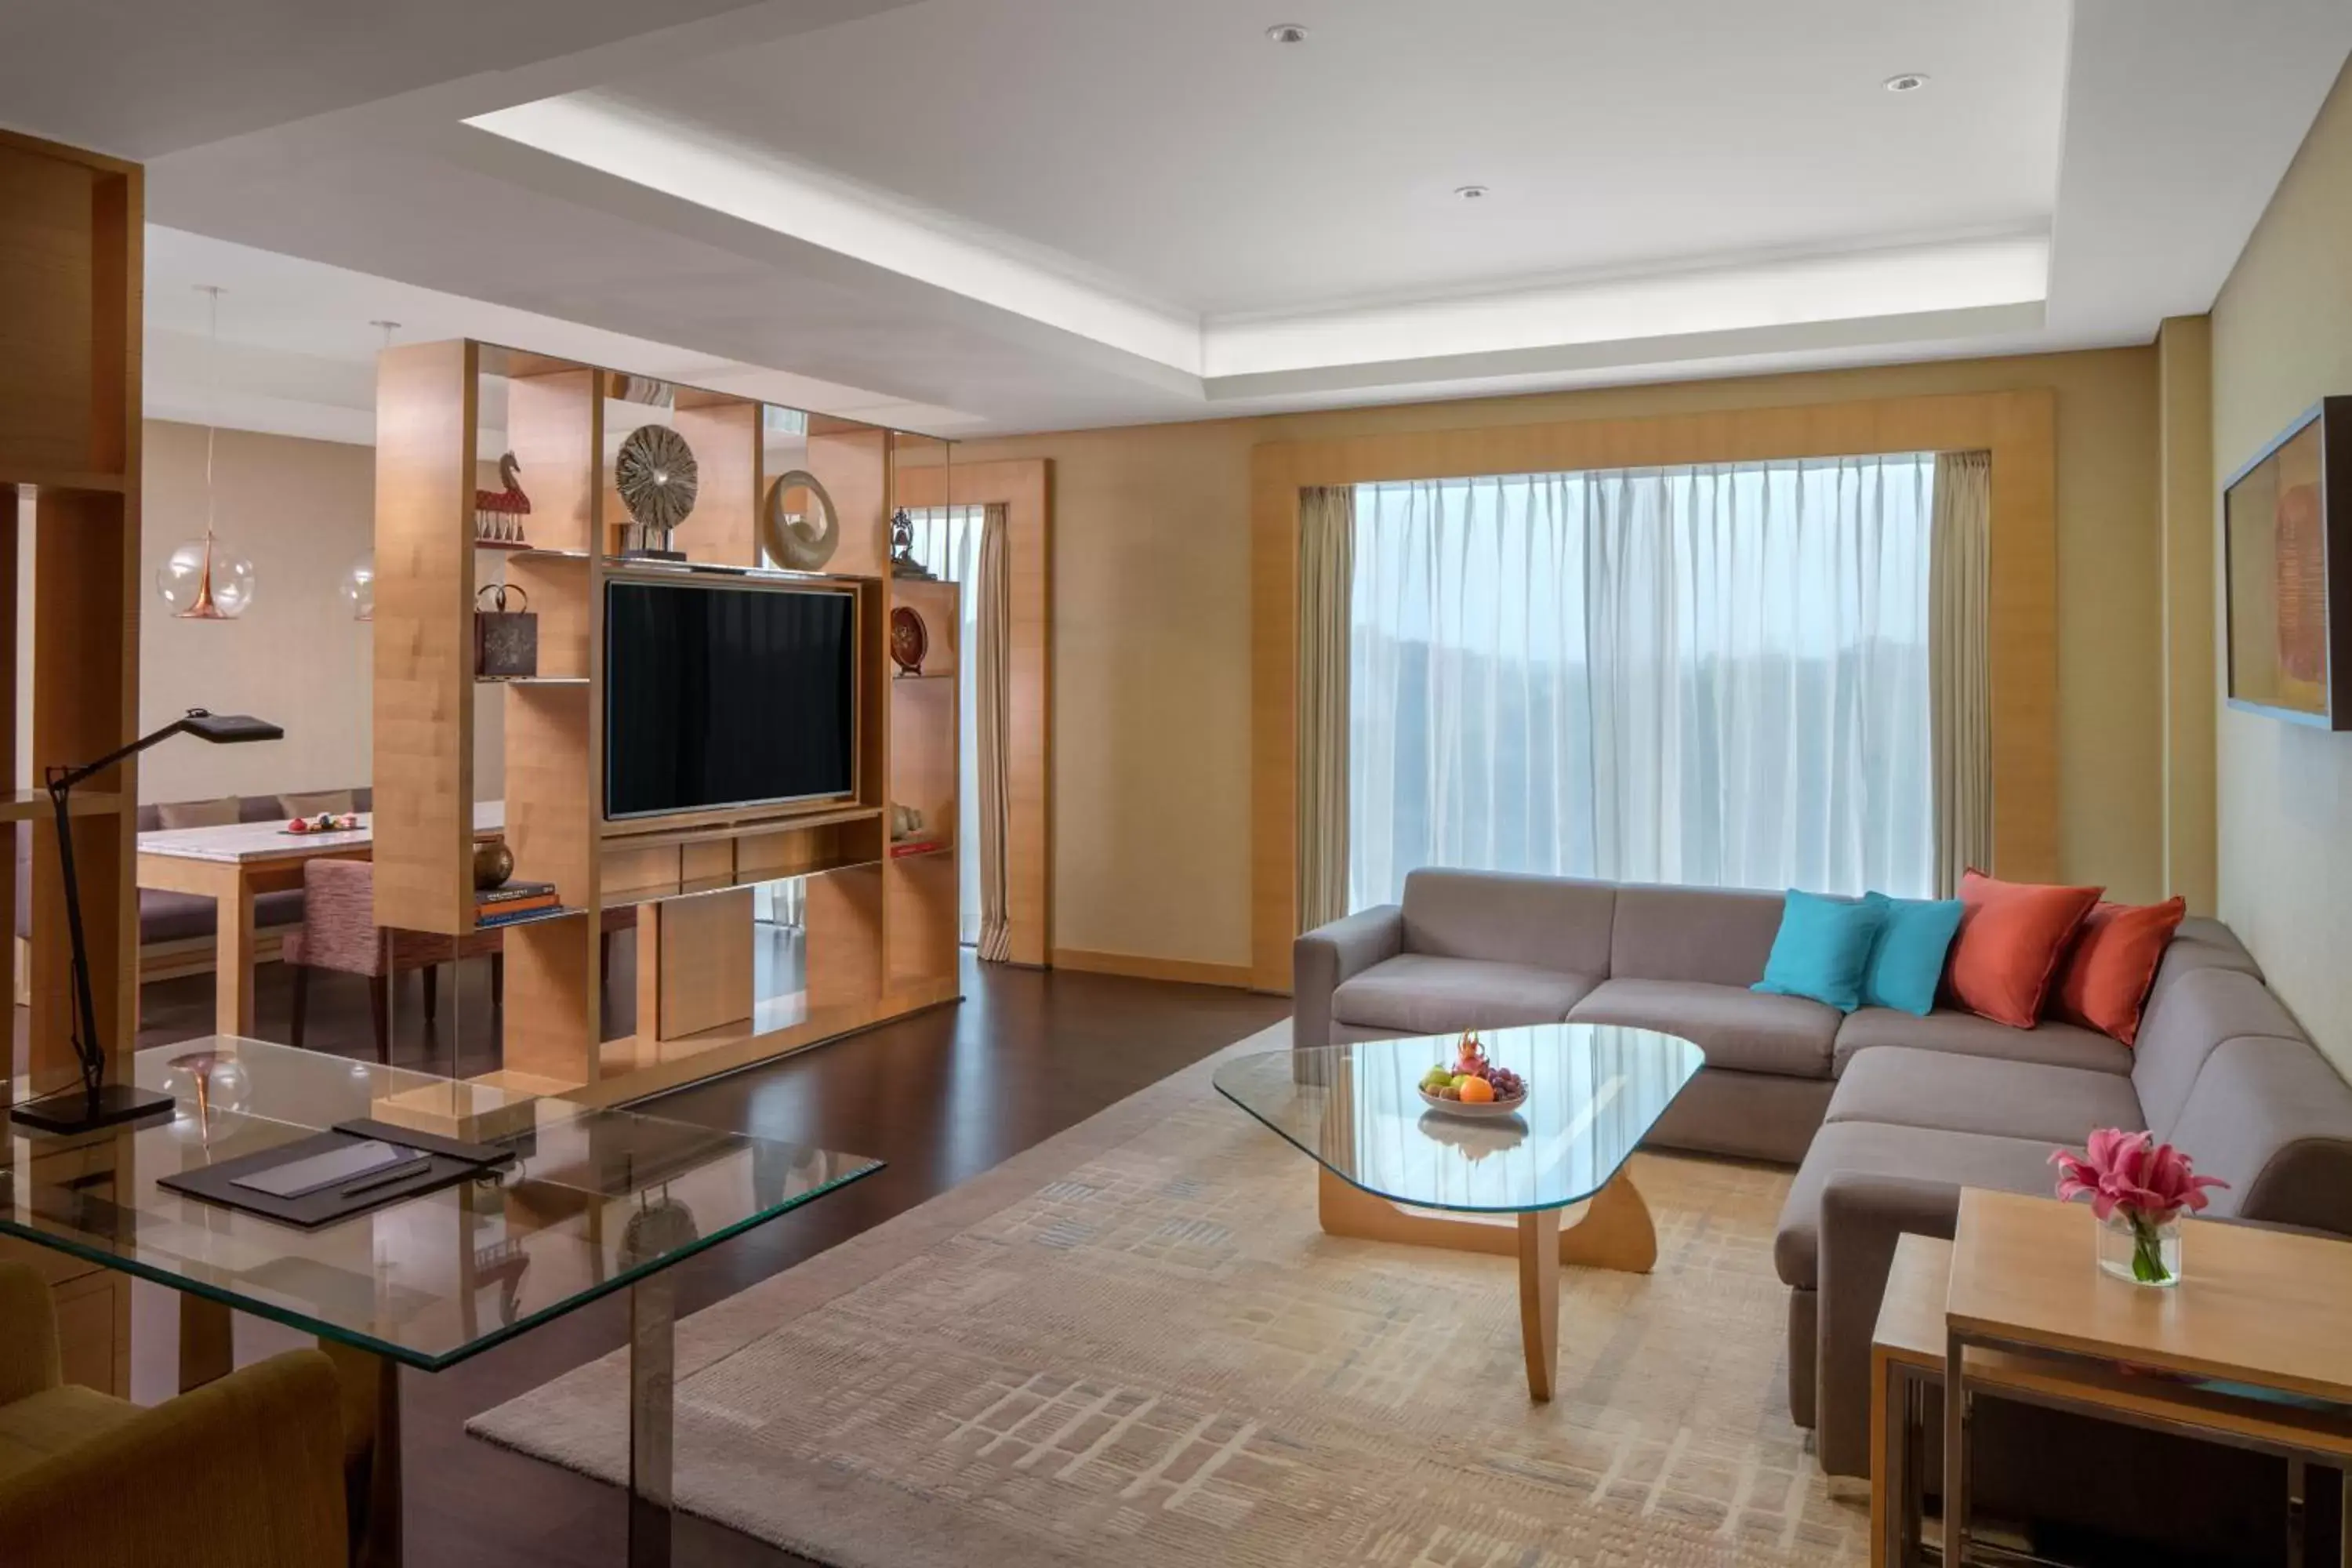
[510, 902]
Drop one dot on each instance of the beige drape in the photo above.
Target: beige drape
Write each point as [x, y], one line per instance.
[1959, 570]
[994, 699]
[1326, 566]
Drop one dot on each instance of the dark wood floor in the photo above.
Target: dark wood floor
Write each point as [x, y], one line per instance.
[942, 1096]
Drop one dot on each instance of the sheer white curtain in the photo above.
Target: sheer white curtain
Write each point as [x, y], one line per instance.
[1714, 674]
[947, 541]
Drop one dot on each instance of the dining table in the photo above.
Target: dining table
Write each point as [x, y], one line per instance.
[236, 863]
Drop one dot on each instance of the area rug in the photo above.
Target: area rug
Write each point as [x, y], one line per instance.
[1133, 1345]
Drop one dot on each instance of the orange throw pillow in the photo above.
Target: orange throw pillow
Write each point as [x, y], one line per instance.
[2012, 936]
[2114, 962]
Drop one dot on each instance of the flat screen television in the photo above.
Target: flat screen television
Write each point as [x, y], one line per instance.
[723, 695]
[2286, 523]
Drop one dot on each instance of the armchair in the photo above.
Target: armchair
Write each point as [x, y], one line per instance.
[245, 1472]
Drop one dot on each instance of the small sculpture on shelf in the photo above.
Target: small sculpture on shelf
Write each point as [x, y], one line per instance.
[658, 479]
[902, 549]
[498, 514]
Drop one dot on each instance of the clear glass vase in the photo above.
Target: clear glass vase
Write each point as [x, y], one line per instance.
[2141, 1250]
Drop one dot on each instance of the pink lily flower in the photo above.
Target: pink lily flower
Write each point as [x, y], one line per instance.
[2131, 1170]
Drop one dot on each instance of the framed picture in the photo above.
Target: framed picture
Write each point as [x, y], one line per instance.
[2286, 530]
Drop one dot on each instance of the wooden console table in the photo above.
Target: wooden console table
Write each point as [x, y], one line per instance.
[2016, 1307]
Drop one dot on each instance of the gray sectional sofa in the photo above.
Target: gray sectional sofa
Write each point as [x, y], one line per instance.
[1886, 1115]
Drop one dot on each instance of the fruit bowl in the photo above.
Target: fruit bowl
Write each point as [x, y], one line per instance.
[1472, 1111]
[1471, 1086]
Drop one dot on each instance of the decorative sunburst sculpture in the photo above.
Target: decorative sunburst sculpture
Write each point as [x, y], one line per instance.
[656, 477]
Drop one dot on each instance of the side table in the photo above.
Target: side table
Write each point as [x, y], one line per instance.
[2014, 1306]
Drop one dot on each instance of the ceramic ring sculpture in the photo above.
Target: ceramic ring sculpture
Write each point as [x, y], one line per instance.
[805, 542]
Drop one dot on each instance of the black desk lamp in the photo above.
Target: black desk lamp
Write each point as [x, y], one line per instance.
[99, 1103]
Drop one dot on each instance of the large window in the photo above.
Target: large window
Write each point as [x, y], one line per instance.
[1713, 674]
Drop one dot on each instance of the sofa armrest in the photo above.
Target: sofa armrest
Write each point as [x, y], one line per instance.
[28, 1335]
[1325, 958]
[246, 1470]
[1863, 1216]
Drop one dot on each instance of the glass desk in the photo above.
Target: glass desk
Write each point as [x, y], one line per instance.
[595, 1203]
[1554, 1168]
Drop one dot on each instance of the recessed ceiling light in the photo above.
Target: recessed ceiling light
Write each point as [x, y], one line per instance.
[1908, 81]
[1287, 33]
[1471, 193]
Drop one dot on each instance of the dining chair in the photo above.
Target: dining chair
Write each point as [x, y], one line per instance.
[338, 932]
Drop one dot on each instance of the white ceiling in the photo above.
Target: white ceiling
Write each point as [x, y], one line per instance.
[1175, 147]
[995, 214]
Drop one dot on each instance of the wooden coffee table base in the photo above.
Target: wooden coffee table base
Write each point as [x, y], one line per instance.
[1612, 1229]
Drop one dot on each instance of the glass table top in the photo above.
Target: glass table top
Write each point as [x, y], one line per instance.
[593, 1200]
[1593, 1091]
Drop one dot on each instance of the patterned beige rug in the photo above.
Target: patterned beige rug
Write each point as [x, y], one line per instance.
[1132, 1345]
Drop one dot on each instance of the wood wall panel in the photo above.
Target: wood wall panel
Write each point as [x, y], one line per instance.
[2019, 427]
[852, 462]
[426, 398]
[703, 975]
[555, 425]
[724, 526]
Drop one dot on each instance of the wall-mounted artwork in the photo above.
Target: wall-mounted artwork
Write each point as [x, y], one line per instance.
[2287, 550]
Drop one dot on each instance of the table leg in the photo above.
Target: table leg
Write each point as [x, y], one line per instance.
[382, 1546]
[207, 1343]
[1539, 1299]
[1888, 1415]
[1955, 1454]
[652, 1383]
[233, 968]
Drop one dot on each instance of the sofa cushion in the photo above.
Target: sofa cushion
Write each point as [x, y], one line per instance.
[1750, 1031]
[1428, 995]
[1547, 922]
[2270, 1118]
[1908, 1088]
[2104, 979]
[179, 916]
[338, 801]
[2013, 938]
[2194, 1011]
[1721, 936]
[181, 813]
[1930, 1156]
[1823, 947]
[1965, 1033]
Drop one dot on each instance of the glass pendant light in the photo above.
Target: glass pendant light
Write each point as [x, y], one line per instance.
[205, 580]
[359, 587]
[358, 578]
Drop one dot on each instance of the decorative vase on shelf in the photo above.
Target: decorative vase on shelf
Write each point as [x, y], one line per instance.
[2143, 1250]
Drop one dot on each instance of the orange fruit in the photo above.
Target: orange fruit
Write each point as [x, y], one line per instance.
[1478, 1091]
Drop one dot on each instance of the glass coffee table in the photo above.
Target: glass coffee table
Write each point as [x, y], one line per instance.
[1546, 1184]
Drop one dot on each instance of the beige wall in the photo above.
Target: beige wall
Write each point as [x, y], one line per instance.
[2283, 340]
[303, 510]
[1151, 633]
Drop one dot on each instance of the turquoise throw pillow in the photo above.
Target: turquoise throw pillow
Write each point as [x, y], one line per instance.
[1823, 949]
[1907, 962]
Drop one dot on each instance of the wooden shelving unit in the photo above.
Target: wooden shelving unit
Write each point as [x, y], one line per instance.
[72, 228]
[877, 943]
